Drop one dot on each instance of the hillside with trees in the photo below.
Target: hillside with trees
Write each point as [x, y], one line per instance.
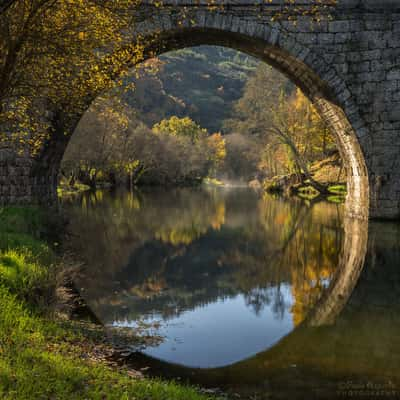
[204, 112]
[199, 82]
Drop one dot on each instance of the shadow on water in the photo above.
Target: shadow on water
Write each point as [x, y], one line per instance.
[271, 298]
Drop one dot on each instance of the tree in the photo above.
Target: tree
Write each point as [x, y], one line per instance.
[296, 125]
[242, 158]
[217, 150]
[100, 142]
[181, 127]
[56, 55]
[111, 142]
[273, 109]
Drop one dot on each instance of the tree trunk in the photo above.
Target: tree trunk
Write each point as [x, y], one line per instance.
[298, 159]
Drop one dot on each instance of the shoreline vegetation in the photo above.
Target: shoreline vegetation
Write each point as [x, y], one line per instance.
[328, 172]
[42, 355]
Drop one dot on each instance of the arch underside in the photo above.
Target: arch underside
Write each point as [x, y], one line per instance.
[293, 62]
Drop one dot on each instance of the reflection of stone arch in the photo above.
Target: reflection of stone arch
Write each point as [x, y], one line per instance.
[290, 348]
[350, 266]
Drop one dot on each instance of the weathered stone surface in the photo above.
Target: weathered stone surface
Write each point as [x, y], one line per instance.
[347, 65]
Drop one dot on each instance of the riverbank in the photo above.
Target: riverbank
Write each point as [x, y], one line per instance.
[328, 172]
[41, 355]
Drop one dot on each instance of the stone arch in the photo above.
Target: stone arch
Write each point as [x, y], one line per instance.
[271, 44]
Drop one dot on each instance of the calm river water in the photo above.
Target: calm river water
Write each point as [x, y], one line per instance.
[256, 295]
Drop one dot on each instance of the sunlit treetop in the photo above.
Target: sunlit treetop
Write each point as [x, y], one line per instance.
[183, 127]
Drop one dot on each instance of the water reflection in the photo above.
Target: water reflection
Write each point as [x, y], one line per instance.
[291, 273]
[200, 264]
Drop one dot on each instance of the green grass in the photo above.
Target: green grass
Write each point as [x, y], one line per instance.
[338, 189]
[40, 357]
[21, 220]
[21, 273]
[41, 360]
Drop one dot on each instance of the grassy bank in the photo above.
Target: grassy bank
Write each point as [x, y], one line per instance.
[42, 357]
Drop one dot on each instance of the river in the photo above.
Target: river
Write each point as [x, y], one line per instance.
[230, 288]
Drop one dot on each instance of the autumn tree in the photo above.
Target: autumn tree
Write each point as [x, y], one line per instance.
[112, 144]
[217, 150]
[242, 158]
[271, 108]
[56, 55]
[181, 127]
[100, 143]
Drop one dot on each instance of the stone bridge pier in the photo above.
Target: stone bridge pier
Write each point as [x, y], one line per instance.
[348, 64]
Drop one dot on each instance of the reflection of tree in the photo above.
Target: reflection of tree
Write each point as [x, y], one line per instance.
[317, 265]
[114, 225]
[350, 265]
[311, 248]
[166, 252]
[187, 228]
[257, 299]
[279, 304]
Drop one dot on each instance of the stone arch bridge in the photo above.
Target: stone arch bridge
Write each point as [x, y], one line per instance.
[348, 65]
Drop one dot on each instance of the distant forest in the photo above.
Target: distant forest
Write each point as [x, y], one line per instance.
[201, 82]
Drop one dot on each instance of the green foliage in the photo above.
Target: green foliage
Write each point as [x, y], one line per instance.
[23, 254]
[21, 229]
[336, 199]
[21, 219]
[339, 193]
[308, 193]
[64, 189]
